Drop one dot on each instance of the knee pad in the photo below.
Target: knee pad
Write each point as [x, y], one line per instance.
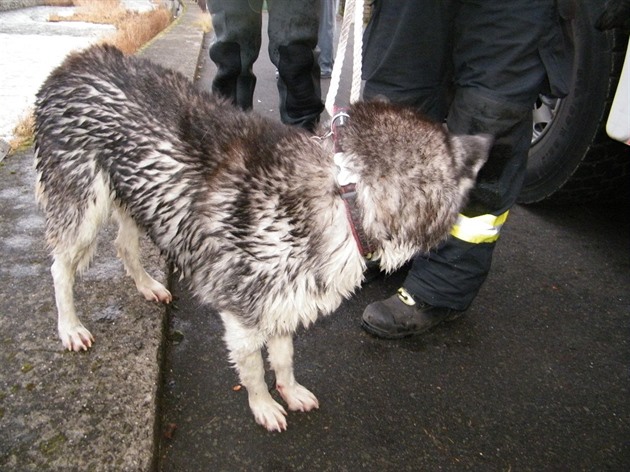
[296, 69]
[500, 179]
[227, 57]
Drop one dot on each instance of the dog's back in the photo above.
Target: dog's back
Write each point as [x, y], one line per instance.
[101, 112]
[218, 190]
[124, 127]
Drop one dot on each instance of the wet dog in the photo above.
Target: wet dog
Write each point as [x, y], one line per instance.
[247, 209]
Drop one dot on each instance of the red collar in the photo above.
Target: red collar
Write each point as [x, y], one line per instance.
[349, 195]
[348, 191]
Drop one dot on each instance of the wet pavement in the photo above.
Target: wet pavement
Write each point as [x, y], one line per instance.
[534, 378]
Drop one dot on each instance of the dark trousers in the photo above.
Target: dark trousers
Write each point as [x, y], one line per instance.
[479, 66]
[293, 27]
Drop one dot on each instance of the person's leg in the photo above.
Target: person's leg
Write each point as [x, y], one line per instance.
[452, 275]
[406, 59]
[237, 25]
[293, 27]
[498, 74]
[406, 54]
[326, 35]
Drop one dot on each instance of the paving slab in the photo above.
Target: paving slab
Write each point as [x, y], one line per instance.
[79, 411]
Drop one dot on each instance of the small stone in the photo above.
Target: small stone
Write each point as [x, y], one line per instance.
[176, 336]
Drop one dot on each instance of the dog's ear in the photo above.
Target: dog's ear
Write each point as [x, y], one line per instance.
[473, 150]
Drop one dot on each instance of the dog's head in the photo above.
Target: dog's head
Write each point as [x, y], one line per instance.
[413, 177]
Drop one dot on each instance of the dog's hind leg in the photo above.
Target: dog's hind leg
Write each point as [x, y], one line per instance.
[74, 336]
[72, 232]
[244, 345]
[298, 398]
[128, 248]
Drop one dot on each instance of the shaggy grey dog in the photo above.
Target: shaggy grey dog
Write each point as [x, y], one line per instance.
[247, 209]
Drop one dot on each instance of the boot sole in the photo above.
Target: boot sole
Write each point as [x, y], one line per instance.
[379, 333]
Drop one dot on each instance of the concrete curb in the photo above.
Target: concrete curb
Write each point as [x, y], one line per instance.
[6, 5]
[93, 410]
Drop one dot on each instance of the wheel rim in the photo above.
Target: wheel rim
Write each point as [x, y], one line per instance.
[545, 110]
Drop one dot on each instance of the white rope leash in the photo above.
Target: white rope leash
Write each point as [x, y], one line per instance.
[355, 91]
[353, 14]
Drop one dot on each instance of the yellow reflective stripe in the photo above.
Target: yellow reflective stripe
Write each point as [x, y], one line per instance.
[479, 229]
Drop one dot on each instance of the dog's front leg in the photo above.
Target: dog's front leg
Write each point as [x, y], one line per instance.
[298, 398]
[267, 411]
[244, 345]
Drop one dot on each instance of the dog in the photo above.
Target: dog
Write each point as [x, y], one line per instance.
[247, 209]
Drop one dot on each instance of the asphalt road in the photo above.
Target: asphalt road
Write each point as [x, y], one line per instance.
[534, 377]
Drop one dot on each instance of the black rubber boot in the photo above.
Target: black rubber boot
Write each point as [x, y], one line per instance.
[401, 316]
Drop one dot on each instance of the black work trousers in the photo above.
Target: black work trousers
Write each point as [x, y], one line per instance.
[478, 65]
[293, 28]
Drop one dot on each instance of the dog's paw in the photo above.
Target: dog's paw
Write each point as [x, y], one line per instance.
[76, 338]
[269, 414]
[154, 291]
[298, 398]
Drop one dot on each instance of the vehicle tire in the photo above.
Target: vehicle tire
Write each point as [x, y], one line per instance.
[571, 158]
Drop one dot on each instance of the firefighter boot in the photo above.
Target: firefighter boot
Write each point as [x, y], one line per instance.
[401, 316]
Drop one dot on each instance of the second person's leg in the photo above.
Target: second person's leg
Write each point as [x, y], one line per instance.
[293, 28]
[237, 25]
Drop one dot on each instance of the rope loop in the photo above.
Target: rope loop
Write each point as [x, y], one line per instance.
[353, 14]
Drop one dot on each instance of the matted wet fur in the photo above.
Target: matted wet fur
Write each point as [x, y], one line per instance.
[246, 208]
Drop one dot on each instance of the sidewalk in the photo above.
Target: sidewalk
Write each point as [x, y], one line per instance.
[94, 410]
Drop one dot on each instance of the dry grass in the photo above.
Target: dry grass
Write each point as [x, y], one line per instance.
[59, 3]
[139, 28]
[95, 11]
[205, 22]
[133, 29]
[23, 132]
